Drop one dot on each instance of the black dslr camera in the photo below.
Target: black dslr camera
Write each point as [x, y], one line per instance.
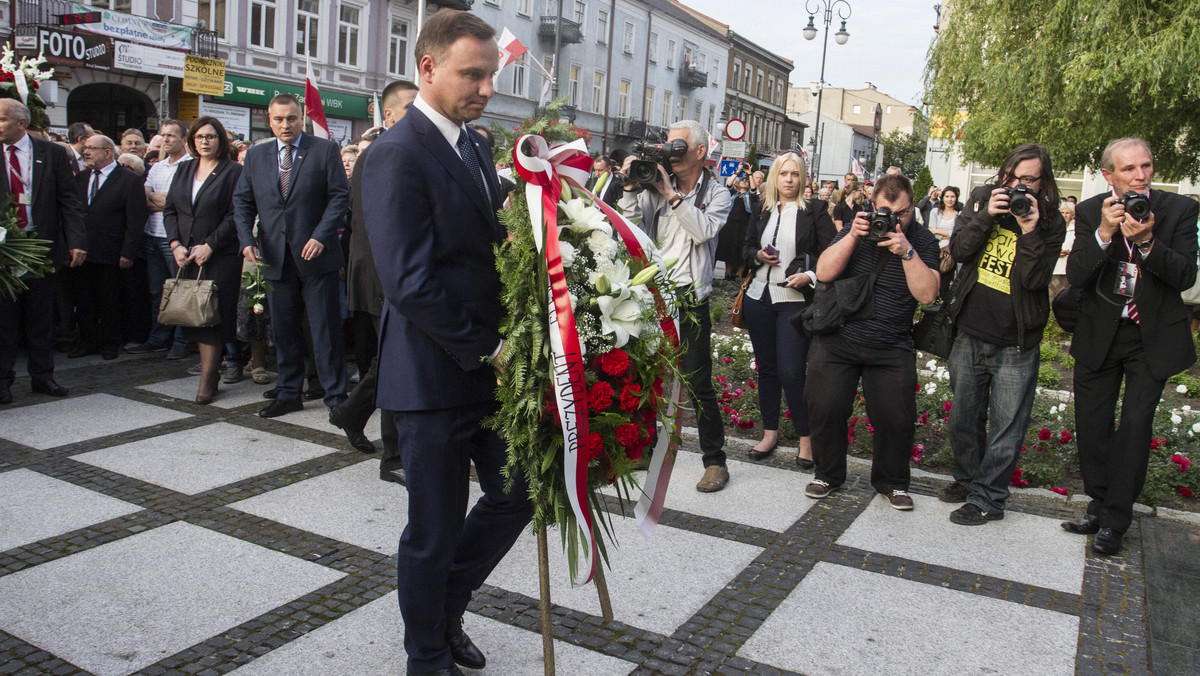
[882, 222]
[644, 170]
[1020, 200]
[1136, 205]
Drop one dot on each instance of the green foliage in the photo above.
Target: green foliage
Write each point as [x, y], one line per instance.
[1192, 383]
[1048, 376]
[922, 183]
[1070, 75]
[907, 150]
[752, 157]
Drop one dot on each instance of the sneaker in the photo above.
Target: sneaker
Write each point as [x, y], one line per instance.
[355, 377]
[193, 370]
[232, 375]
[817, 489]
[953, 493]
[971, 514]
[899, 500]
[145, 348]
[177, 351]
[714, 479]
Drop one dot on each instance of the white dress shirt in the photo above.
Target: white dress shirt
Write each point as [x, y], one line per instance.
[25, 158]
[105, 172]
[449, 131]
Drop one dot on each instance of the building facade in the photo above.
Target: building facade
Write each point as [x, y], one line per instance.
[756, 93]
[854, 106]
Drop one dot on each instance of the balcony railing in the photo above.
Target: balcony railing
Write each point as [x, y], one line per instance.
[691, 77]
[463, 5]
[571, 32]
[31, 14]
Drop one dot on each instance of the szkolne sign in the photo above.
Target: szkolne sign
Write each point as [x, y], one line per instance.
[203, 76]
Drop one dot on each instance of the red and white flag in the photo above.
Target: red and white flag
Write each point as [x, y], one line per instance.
[511, 49]
[313, 108]
[857, 168]
[713, 144]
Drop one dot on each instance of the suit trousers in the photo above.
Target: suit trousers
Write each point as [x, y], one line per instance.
[292, 295]
[889, 379]
[97, 290]
[1113, 461]
[782, 355]
[695, 333]
[361, 404]
[446, 553]
[32, 315]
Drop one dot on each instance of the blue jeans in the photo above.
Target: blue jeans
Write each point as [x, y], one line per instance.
[994, 389]
[160, 265]
[782, 355]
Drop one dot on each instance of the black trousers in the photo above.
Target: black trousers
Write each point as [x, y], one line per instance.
[97, 290]
[361, 404]
[31, 315]
[289, 299]
[1113, 457]
[696, 338]
[889, 379]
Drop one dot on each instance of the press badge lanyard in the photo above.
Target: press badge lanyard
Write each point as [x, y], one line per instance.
[1127, 274]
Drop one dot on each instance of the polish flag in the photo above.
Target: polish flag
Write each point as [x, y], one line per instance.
[313, 108]
[713, 144]
[510, 50]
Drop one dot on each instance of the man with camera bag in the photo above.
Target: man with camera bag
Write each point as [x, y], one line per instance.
[1134, 252]
[1007, 239]
[683, 211]
[874, 344]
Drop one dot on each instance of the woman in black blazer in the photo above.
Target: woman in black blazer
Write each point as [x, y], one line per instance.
[198, 216]
[729, 242]
[782, 246]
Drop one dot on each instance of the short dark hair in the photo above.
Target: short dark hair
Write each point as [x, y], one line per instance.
[891, 186]
[78, 131]
[394, 88]
[1048, 194]
[284, 99]
[223, 144]
[133, 132]
[169, 122]
[445, 27]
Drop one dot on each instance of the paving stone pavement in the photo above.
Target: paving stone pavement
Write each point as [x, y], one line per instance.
[141, 533]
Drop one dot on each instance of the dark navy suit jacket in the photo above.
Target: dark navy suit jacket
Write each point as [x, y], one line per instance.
[316, 205]
[432, 235]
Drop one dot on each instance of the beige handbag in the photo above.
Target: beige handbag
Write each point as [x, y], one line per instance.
[189, 302]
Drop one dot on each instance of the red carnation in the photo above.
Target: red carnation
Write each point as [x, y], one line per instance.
[1065, 437]
[751, 384]
[853, 422]
[1060, 491]
[1016, 479]
[614, 362]
[1185, 491]
[788, 414]
[1153, 444]
[726, 410]
[627, 435]
[550, 409]
[947, 406]
[631, 397]
[918, 388]
[600, 396]
[1044, 435]
[592, 447]
[745, 424]
[657, 386]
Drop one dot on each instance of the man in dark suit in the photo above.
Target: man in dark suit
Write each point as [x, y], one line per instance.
[366, 296]
[297, 188]
[39, 186]
[430, 195]
[1131, 267]
[115, 216]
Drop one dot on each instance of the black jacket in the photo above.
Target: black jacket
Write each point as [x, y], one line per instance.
[116, 218]
[57, 211]
[814, 232]
[1033, 265]
[362, 281]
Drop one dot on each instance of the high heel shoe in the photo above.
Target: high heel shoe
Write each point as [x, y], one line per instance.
[205, 399]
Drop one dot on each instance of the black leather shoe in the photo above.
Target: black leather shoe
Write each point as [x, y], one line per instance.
[339, 417]
[49, 387]
[1086, 525]
[110, 352]
[314, 391]
[271, 393]
[396, 476]
[280, 407]
[453, 670]
[5, 395]
[1107, 542]
[81, 350]
[464, 652]
[804, 463]
[760, 455]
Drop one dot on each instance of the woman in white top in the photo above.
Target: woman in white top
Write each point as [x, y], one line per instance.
[941, 218]
[1058, 281]
[782, 246]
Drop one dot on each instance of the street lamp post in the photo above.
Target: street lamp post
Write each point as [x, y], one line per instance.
[827, 8]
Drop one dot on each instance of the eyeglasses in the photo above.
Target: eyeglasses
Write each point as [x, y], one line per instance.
[901, 214]
[207, 138]
[95, 147]
[1029, 180]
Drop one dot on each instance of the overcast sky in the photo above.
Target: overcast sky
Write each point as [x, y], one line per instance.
[888, 42]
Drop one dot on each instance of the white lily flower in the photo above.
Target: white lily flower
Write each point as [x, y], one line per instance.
[568, 253]
[585, 218]
[1176, 419]
[620, 317]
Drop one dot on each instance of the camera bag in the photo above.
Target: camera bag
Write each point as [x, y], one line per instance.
[835, 302]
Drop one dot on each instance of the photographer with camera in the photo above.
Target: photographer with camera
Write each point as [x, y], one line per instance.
[1007, 239]
[874, 344]
[1134, 253]
[683, 210]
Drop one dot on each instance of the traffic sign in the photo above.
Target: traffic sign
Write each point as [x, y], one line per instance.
[735, 129]
[733, 149]
[729, 167]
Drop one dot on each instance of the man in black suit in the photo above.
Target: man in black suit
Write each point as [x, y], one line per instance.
[297, 188]
[366, 296]
[430, 195]
[115, 216]
[39, 186]
[77, 134]
[1131, 265]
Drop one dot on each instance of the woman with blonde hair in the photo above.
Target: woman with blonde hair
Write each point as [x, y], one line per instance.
[782, 246]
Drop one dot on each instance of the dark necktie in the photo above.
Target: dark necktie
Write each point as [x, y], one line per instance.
[17, 186]
[467, 150]
[95, 185]
[285, 171]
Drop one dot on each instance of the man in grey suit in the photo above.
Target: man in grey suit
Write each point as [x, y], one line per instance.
[298, 190]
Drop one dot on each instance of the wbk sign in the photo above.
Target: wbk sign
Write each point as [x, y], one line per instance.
[72, 49]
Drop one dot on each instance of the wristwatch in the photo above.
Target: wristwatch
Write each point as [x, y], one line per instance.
[1144, 245]
[908, 255]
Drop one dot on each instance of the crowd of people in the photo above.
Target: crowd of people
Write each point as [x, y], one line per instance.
[311, 219]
